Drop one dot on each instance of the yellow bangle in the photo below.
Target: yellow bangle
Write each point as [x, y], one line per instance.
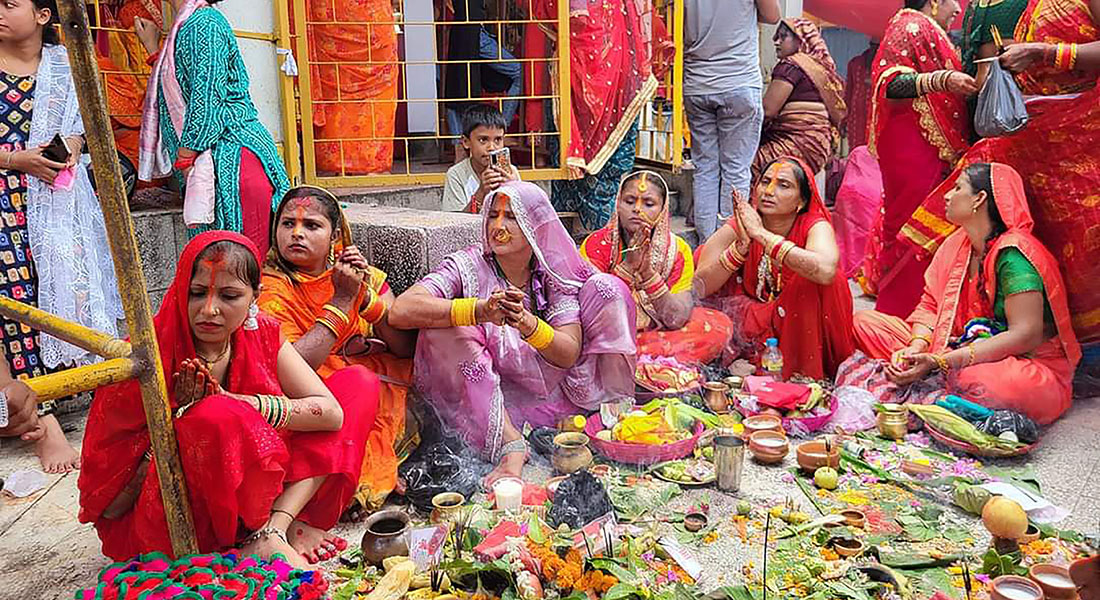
[923, 338]
[1072, 56]
[324, 321]
[463, 312]
[375, 310]
[343, 316]
[941, 363]
[731, 259]
[541, 337]
[973, 352]
[784, 250]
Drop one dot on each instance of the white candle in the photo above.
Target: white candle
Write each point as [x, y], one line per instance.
[509, 494]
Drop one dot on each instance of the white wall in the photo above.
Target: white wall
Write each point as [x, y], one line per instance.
[258, 16]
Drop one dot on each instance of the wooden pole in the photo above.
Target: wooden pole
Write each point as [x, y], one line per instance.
[131, 280]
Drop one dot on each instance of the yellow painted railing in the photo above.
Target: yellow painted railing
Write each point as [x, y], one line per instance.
[377, 150]
[661, 129]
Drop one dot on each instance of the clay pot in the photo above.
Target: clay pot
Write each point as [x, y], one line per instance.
[847, 548]
[1011, 587]
[1030, 535]
[694, 522]
[1054, 580]
[757, 423]
[386, 536]
[717, 397]
[854, 518]
[571, 453]
[769, 447]
[447, 508]
[811, 456]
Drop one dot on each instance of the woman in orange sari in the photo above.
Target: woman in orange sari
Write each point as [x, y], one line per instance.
[658, 267]
[313, 272]
[992, 326]
[804, 103]
[1058, 61]
[773, 270]
[357, 98]
[919, 128]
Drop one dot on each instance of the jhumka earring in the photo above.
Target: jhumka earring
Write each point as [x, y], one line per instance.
[250, 324]
[935, 9]
[331, 254]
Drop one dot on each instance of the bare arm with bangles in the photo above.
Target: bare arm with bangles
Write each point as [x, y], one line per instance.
[1026, 332]
[722, 256]
[816, 262]
[1065, 57]
[307, 405]
[418, 308]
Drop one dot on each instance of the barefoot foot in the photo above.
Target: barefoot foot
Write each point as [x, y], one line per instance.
[55, 452]
[314, 544]
[267, 546]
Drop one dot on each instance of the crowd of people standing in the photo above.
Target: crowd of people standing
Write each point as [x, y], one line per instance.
[291, 361]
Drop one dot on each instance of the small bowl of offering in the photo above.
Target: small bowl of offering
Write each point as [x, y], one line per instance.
[769, 447]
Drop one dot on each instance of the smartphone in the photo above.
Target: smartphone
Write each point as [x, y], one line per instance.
[501, 159]
[57, 151]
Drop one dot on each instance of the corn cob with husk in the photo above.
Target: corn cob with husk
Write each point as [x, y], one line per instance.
[950, 424]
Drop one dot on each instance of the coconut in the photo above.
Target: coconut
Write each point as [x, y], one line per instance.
[1004, 518]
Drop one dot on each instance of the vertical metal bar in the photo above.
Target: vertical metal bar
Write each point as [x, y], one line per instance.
[305, 92]
[291, 148]
[131, 279]
[565, 92]
[678, 86]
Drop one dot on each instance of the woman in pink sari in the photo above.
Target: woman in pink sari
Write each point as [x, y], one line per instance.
[518, 329]
[992, 326]
[919, 128]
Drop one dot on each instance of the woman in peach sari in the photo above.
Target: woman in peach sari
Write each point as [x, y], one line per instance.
[313, 267]
[1057, 63]
[638, 246]
[992, 326]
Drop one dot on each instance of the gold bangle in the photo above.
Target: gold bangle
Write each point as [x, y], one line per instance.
[1072, 56]
[941, 363]
[922, 337]
[661, 292]
[973, 352]
[343, 316]
[463, 312]
[541, 337]
[784, 250]
[375, 309]
[731, 259]
[327, 324]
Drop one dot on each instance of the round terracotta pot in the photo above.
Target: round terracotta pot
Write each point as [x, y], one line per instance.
[386, 536]
[1054, 580]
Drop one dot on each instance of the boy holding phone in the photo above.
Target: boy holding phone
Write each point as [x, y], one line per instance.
[488, 165]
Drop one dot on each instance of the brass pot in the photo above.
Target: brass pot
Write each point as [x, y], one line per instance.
[386, 536]
[571, 453]
[717, 397]
[447, 508]
[893, 421]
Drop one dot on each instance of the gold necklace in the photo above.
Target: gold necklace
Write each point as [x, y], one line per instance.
[208, 362]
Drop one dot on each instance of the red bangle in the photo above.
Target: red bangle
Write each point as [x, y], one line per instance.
[375, 309]
[773, 253]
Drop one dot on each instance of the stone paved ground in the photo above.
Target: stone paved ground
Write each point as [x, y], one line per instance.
[46, 554]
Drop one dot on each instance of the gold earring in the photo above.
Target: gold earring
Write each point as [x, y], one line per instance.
[332, 254]
[935, 9]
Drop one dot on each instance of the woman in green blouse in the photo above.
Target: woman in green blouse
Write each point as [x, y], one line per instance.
[199, 123]
[981, 19]
[992, 326]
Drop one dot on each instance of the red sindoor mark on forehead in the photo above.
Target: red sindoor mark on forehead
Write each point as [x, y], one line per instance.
[216, 264]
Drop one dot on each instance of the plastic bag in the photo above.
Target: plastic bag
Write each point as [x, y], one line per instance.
[579, 500]
[442, 463]
[855, 409]
[1002, 421]
[1001, 108]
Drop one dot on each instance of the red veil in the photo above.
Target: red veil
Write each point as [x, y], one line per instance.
[812, 322]
[234, 462]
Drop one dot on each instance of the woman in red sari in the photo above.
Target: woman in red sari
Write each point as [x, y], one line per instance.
[773, 270]
[1055, 154]
[919, 128]
[270, 455]
[992, 326]
[658, 266]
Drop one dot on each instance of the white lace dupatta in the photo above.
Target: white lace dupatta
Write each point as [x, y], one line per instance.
[68, 240]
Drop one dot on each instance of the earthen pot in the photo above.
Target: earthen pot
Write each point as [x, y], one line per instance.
[386, 536]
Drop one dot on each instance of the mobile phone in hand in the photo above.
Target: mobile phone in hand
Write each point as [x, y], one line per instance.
[57, 151]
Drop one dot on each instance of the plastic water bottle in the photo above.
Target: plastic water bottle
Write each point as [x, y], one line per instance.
[772, 359]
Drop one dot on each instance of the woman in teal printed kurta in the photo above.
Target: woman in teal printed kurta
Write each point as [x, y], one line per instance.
[203, 126]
